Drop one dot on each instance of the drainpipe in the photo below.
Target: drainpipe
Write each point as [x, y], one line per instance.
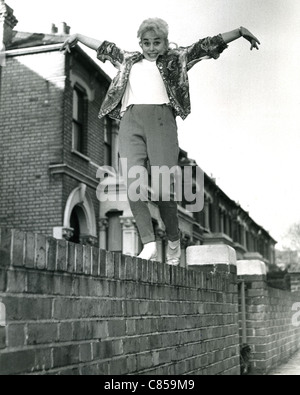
[243, 311]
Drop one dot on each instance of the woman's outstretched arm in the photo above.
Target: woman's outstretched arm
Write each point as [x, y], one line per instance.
[75, 38]
[241, 32]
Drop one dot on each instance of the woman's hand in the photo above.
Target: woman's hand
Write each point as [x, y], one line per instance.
[69, 43]
[249, 37]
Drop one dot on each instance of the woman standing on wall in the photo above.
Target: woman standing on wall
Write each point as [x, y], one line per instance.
[149, 91]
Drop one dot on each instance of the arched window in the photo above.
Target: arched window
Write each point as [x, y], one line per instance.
[80, 216]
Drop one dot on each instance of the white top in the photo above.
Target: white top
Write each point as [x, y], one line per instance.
[145, 86]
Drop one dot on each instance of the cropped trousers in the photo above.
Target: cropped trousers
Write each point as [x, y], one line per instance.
[148, 139]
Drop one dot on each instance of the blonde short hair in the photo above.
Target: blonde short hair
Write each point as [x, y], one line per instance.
[159, 26]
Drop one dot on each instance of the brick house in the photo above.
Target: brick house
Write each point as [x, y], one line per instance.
[52, 144]
[52, 140]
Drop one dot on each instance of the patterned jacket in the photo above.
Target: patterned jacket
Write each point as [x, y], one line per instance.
[173, 66]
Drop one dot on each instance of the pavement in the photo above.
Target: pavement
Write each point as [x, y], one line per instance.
[290, 368]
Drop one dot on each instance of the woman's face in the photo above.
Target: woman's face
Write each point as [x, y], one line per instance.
[153, 45]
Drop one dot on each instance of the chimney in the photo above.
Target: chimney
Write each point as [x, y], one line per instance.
[64, 29]
[7, 23]
[54, 29]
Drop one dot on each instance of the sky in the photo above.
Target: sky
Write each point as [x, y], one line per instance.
[244, 125]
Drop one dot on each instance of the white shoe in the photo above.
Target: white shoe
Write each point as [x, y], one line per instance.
[174, 253]
[149, 252]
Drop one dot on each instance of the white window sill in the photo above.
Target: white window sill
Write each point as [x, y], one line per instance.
[82, 156]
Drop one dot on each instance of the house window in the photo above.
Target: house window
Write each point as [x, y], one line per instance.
[79, 120]
[107, 141]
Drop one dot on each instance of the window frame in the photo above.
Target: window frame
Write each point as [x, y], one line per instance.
[80, 121]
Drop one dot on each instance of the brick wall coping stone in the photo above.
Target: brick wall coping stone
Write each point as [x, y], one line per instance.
[211, 255]
[251, 268]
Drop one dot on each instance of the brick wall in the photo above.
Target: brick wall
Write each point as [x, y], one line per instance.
[36, 132]
[271, 330]
[31, 111]
[80, 310]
